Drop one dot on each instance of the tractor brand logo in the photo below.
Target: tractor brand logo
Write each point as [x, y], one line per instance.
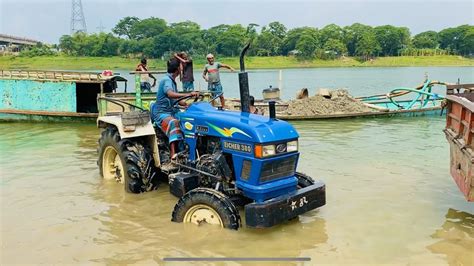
[228, 132]
[203, 129]
[188, 126]
[238, 146]
[281, 148]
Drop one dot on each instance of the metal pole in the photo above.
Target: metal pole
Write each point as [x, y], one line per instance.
[138, 91]
[280, 85]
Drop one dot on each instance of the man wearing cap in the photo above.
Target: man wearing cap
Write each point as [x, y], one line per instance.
[211, 75]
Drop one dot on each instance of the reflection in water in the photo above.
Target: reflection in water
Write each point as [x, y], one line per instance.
[144, 221]
[457, 238]
[388, 189]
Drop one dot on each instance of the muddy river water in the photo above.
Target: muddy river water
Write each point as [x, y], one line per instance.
[390, 199]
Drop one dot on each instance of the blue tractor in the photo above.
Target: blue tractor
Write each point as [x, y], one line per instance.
[230, 159]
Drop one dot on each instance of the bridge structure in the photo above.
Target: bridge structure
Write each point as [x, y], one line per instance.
[14, 43]
[14, 40]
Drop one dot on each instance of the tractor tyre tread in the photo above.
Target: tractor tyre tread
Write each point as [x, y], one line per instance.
[217, 200]
[140, 173]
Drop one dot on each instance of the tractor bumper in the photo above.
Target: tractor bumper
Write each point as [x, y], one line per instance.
[285, 207]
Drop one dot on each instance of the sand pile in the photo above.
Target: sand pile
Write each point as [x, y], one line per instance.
[336, 102]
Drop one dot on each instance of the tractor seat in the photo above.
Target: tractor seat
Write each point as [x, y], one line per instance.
[158, 131]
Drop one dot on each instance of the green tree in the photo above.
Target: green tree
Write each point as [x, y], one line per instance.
[148, 28]
[230, 39]
[211, 37]
[130, 48]
[277, 29]
[190, 37]
[392, 39]
[270, 40]
[38, 50]
[294, 35]
[467, 42]
[367, 46]
[331, 31]
[164, 43]
[353, 34]
[306, 45]
[427, 39]
[457, 39]
[264, 43]
[66, 44]
[333, 49]
[124, 27]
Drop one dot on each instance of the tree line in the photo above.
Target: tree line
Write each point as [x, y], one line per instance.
[155, 38]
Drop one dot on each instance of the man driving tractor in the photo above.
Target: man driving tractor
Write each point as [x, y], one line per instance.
[163, 111]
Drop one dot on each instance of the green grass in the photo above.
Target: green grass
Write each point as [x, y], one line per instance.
[100, 63]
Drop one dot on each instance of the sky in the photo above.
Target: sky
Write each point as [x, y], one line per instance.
[48, 20]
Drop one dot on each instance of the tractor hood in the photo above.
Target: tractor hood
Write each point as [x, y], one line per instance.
[203, 118]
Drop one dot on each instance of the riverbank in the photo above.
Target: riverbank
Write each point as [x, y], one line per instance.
[94, 63]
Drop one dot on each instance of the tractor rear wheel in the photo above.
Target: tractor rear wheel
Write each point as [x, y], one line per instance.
[304, 180]
[205, 205]
[126, 161]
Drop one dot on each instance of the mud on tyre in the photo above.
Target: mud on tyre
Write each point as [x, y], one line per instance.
[204, 205]
[127, 161]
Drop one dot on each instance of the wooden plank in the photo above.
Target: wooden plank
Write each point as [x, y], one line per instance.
[46, 113]
[51, 75]
[147, 72]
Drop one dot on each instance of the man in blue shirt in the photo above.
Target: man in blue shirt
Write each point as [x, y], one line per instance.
[163, 113]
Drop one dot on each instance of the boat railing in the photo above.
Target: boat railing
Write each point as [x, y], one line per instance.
[123, 104]
[459, 88]
[52, 75]
[423, 95]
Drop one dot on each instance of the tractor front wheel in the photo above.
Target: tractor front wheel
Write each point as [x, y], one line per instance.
[126, 161]
[204, 205]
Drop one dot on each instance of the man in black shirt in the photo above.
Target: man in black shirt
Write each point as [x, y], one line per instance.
[187, 76]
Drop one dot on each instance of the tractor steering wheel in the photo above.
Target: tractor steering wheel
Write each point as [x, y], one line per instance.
[176, 103]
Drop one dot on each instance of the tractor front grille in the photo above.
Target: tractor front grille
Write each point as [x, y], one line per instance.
[275, 169]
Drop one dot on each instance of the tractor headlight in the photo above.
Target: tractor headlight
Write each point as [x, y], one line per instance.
[292, 146]
[264, 150]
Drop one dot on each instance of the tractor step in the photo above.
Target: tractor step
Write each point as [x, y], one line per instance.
[169, 167]
[181, 183]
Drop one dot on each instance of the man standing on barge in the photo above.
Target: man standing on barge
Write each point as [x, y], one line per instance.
[211, 75]
[144, 78]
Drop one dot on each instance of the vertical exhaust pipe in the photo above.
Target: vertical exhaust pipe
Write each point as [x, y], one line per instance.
[271, 108]
[244, 83]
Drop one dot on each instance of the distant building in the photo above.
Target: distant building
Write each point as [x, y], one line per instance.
[293, 52]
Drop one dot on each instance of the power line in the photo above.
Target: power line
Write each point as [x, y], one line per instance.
[101, 27]
[78, 22]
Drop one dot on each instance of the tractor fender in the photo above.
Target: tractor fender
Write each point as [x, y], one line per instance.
[145, 130]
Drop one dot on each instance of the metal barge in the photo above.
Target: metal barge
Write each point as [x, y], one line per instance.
[76, 96]
[52, 95]
[459, 132]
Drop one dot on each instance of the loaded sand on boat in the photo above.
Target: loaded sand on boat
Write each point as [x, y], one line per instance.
[326, 103]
